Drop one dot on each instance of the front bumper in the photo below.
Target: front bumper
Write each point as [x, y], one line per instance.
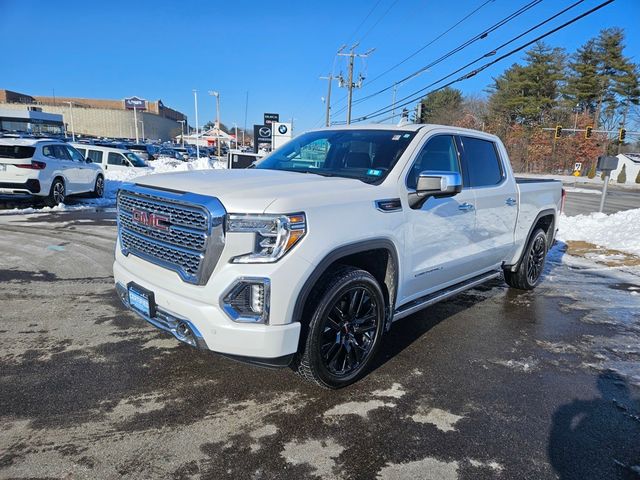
[207, 326]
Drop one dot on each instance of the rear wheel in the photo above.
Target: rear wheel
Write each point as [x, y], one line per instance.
[529, 272]
[345, 330]
[56, 193]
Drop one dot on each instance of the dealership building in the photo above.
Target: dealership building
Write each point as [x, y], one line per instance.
[97, 117]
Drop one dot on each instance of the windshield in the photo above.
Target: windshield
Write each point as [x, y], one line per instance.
[366, 155]
[135, 160]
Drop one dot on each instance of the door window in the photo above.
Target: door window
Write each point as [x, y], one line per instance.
[116, 159]
[75, 155]
[438, 154]
[481, 162]
[60, 152]
[95, 156]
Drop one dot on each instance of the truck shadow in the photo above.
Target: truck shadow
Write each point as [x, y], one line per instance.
[597, 438]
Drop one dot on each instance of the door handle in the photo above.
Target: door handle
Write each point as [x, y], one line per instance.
[511, 201]
[465, 207]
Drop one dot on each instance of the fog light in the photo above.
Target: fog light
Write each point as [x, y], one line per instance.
[247, 300]
[257, 297]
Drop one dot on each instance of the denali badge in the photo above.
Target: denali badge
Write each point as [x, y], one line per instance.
[150, 220]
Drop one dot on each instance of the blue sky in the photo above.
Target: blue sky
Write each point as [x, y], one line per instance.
[274, 50]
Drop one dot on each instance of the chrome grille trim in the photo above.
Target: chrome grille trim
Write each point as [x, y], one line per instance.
[194, 241]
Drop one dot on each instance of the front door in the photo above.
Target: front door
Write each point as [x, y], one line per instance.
[439, 242]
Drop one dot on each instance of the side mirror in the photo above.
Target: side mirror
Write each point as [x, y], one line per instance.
[88, 160]
[435, 184]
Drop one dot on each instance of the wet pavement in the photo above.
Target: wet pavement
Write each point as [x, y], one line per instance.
[492, 384]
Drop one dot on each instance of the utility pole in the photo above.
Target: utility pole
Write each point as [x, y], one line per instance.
[350, 84]
[393, 103]
[330, 78]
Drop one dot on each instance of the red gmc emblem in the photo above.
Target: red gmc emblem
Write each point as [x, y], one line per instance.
[150, 220]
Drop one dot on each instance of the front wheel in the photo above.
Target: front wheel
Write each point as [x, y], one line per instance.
[529, 272]
[98, 188]
[345, 331]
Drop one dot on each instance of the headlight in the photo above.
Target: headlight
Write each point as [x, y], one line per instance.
[275, 234]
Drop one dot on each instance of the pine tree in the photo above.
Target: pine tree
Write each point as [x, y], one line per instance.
[528, 93]
[442, 106]
[622, 176]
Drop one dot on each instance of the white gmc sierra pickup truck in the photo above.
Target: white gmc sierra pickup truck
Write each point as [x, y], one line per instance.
[306, 258]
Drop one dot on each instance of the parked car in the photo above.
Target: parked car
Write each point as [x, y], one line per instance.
[50, 169]
[145, 151]
[306, 259]
[110, 158]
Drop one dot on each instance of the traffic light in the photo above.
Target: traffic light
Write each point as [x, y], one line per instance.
[558, 131]
[621, 134]
[588, 132]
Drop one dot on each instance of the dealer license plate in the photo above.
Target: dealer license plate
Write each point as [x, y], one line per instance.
[141, 300]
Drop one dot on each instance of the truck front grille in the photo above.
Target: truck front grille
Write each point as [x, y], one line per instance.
[182, 232]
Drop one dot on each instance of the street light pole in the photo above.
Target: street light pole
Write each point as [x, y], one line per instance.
[135, 121]
[235, 125]
[217, 95]
[73, 130]
[143, 136]
[182, 122]
[195, 101]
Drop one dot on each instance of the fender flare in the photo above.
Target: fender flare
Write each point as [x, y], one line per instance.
[550, 235]
[341, 252]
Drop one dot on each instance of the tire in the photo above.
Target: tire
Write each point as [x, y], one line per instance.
[98, 188]
[530, 269]
[56, 193]
[345, 330]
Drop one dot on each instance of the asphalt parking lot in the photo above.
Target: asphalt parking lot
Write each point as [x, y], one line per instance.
[491, 384]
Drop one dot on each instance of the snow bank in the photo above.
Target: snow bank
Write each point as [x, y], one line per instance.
[618, 231]
[115, 179]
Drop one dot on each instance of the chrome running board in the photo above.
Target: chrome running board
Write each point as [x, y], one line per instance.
[423, 302]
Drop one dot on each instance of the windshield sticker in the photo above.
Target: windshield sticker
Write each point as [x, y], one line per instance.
[395, 137]
[374, 173]
[406, 135]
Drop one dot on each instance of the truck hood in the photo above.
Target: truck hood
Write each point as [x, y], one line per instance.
[253, 190]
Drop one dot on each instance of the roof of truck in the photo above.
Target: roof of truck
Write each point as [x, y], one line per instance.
[408, 127]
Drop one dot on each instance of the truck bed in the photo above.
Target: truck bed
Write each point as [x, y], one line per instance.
[535, 180]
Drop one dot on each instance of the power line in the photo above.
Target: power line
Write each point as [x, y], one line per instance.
[431, 42]
[386, 109]
[378, 21]
[480, 36]
[364, 20]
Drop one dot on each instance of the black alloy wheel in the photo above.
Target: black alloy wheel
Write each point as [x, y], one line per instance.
[346, 318]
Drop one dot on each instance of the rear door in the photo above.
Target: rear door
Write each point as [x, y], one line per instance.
[86, 172]
[59, 163]
[495, 198]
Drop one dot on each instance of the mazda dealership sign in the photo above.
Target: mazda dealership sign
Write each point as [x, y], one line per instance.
[135, 102]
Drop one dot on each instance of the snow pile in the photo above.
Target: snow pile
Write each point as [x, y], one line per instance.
[115, 179]
[618, 231]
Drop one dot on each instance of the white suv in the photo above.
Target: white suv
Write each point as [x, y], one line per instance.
[46, 168]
